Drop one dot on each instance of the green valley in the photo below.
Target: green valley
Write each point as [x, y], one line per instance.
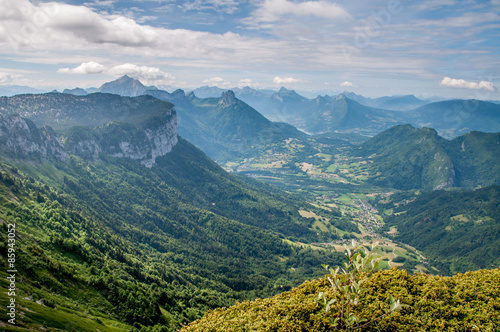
[121, 224]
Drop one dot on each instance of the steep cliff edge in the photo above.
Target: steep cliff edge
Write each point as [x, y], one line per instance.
[22, 138]
[141, 128]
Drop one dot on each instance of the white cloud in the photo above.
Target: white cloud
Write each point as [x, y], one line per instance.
[148, 75]
[57, 27]
[272, 10]
[6, 78]
[248, 82]
[347, 84]
[217, 81]
[222, 6]
[286, 80]
[460, 83]
[90, 67]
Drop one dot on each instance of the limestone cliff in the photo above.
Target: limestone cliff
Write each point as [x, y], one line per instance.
[123, 140]
[22, 138]
[141, 128]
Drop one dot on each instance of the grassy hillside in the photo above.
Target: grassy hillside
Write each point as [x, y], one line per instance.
[475, 156]
[464, 302]
[135, 245]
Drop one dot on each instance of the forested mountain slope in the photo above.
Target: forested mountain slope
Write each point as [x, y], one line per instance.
[457, 230]
[404, 157]
[142, 244]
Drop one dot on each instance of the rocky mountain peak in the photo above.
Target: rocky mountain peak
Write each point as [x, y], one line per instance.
[228, 99]
[124, 86]
[178, 94]
[341, 97]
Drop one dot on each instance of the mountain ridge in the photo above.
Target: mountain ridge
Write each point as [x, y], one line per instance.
[141, 128]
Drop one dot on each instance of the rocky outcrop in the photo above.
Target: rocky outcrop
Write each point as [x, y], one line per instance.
[228, 99]
[142, 128]
[21, 137]
[145, 143]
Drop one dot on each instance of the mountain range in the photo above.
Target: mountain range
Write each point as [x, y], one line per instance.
[122, 223]
[347, 112]
[227, 129]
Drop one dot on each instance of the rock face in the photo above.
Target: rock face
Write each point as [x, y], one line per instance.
[145, 143]
[228, 99]
[142, 128]
[23, 138]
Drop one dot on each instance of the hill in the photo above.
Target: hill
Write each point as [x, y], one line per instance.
[458, 231]
[475, 157]
[404, 157]
[429, 303]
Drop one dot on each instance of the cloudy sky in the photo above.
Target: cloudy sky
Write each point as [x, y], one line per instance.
[379, 47]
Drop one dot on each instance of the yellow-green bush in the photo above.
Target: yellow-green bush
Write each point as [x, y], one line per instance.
[464, 302]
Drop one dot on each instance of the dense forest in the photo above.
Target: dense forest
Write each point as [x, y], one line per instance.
[168, 247]
[458, 230]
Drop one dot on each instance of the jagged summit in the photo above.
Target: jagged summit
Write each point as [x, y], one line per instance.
[178, 94]
[228, 99]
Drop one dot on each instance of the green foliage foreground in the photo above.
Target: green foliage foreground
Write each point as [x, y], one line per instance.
[464, 302]
[348, 285]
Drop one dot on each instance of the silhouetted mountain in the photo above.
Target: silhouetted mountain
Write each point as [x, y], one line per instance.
[402, 103]
[76, 92]
[208, 92]
[12, 90]
[226, 127]
[125, 86]
[253, 97]
[455, 117]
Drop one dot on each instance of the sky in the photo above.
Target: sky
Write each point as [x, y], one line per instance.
[374, 48]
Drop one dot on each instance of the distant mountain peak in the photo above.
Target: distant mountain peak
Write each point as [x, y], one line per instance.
[228, 99]
[76, 92]
[125, 77]
[124, 86]
[179, 94]
[341, 97]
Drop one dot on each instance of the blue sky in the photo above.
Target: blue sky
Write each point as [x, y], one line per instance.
[380, 47]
